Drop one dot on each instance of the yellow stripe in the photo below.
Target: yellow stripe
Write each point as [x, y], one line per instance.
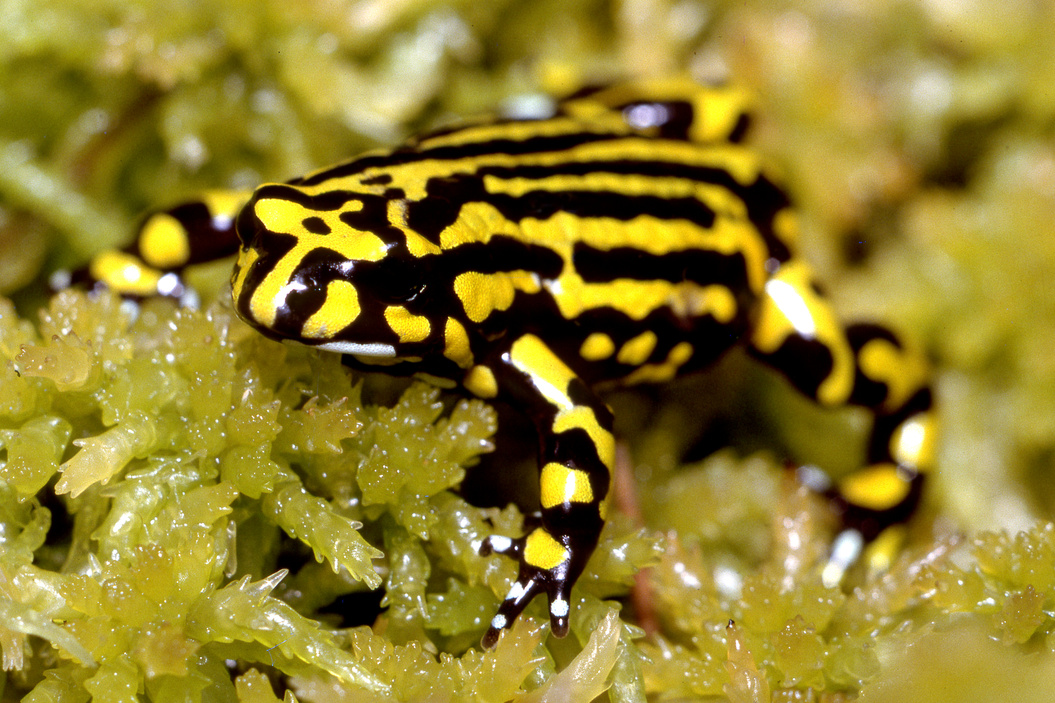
[903, 372]
[742, 164]
[550, 375]
[417, 245]
[791, 307]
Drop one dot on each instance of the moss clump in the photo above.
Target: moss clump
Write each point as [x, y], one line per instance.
[192, 460]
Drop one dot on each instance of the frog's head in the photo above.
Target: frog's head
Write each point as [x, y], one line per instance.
[329, 271]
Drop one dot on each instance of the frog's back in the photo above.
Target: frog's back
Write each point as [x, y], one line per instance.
[629, 227]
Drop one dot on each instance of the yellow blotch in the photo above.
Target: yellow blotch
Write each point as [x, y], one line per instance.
[913, 443]
[124, 273]
[560, 485]
[339, 310]
[549, 374]
[637, 350]
[880, 554]
[287, 217]
[878, 487]
[418, 246]
[634, 298]
[456, 344]
[526, 281]
[476, 222]
[542, 551]
[902, 372]
[718, 111]
[716, 301]
[279, 215]
[483, 293]
[584, 418]
[407, 326]
[480, 381]
[163, 242]
[596, 347]
[516, 131]
[662, 372]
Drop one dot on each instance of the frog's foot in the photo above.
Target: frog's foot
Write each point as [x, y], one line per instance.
[544, 568]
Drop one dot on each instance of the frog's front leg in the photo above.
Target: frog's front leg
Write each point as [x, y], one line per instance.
[166, 243]
[576, 453]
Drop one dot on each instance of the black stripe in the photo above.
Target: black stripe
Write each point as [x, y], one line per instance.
[701, 266]
[544, 204]
[411, 154]
[501, 253]
[326, 202]
[445, 197]
[762, 198]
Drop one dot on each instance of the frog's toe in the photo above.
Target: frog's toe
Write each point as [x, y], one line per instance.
[500, 544]
[545, 567]
[531, 583]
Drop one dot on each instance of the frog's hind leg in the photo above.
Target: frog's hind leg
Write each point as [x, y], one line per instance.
[866, 365]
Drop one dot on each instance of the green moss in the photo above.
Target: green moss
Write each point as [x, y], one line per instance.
[177, 492]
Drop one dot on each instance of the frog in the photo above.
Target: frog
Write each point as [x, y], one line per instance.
[629, 234]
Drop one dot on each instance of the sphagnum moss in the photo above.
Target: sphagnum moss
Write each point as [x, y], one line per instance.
[189, 453]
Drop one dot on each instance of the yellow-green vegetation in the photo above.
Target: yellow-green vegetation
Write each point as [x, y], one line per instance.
[191, 512]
